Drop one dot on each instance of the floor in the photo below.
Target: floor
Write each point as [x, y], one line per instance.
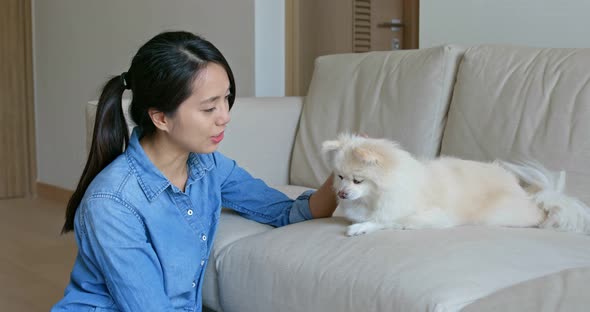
[35, 260]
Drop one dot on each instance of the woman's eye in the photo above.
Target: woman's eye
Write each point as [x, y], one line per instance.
[340, 177]
[210, 110]
[355, 181]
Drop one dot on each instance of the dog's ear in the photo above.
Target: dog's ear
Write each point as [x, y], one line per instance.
[330, 146]
[329, 149]
[367, 155]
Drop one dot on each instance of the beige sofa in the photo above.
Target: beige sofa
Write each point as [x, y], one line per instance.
[480, 103]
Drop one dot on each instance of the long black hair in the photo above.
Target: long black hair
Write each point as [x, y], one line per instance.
[161, 76]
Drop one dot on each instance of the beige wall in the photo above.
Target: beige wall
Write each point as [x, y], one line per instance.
[541, 23]
[269, 50]
[78, 44]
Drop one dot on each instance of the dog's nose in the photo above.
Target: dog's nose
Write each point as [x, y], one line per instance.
[342, 194]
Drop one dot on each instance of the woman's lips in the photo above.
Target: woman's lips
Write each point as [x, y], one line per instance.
[216, 139]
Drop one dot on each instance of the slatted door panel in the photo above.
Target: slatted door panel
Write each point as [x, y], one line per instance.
[361, 25]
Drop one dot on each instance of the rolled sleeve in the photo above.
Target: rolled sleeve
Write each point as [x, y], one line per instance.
[300, 209]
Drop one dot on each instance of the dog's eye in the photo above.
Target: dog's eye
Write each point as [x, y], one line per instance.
[355, 181]
[340, 177]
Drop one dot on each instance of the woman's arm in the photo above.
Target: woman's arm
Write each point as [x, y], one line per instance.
[253, 199]
[323, 202]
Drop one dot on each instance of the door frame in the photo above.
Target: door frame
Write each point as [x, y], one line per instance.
[412, 23]
[292, 87]
[30, 102]
[28, 182]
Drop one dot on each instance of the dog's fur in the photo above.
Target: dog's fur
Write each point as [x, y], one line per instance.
[380, 185]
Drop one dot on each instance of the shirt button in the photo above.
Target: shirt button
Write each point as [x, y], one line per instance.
[202, 262]
[204, 237]
[194, 285]
[190, 212]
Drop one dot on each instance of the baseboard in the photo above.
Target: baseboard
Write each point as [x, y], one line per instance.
[53, 192]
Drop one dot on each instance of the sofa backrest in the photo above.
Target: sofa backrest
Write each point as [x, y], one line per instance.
[400, 95]
[524, 103]
[90, 109]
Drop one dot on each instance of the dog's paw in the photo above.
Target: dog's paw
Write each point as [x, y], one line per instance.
[397, 226]
[356, 229]
[362, 228]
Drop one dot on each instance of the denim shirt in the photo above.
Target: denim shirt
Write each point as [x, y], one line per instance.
[143, 244]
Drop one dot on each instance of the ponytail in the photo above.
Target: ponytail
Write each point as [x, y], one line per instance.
[109, 138]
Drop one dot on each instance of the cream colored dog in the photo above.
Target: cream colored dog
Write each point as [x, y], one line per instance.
[380, 185]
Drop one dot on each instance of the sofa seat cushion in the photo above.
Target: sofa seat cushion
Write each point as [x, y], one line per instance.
[401, 95]
[232, 228]
[518, 102]
[313, 266]
[566, 290]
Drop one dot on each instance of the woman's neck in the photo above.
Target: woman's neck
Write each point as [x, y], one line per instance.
[168, 158]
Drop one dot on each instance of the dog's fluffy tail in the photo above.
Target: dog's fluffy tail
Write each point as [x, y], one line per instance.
[564, 213]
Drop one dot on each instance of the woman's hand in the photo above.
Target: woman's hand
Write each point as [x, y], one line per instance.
[323, 202]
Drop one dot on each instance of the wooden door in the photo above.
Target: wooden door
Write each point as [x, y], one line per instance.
[17, 152]
[315, 28]
[386, 25]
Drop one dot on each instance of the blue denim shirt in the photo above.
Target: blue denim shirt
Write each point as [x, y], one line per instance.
[143, 244]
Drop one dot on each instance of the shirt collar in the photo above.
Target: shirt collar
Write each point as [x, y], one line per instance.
[150, 178]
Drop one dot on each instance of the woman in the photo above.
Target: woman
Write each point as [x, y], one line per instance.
[144, 216]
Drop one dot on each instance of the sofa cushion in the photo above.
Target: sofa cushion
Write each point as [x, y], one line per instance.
[232, 227]
[313, 266]
[566, 290]
[519, 102]
[402, 95]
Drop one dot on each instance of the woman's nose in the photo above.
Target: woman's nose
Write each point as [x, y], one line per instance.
[224, 118]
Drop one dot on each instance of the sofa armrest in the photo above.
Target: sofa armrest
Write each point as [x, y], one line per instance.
[260, 136]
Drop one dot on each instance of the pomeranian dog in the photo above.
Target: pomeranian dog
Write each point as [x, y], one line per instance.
[380, 185]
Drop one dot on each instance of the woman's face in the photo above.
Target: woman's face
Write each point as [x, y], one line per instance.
[199, 123]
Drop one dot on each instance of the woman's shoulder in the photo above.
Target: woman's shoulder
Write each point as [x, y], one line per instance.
[112, 180]
[111, 193]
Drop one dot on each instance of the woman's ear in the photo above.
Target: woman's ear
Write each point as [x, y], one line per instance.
[158, 118]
